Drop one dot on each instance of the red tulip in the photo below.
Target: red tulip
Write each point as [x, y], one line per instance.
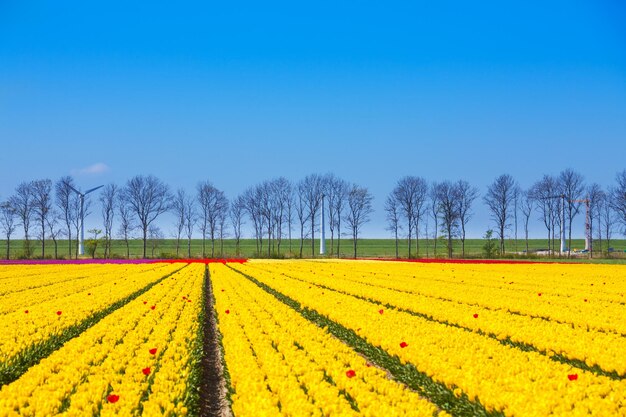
[539, 294]
[227, 311]
[113, 398]
[184, 298]
[350, 373]
[475, 315]
[146, 371]
[145, 302]
[88, 293]
[403, 345]
[153, 351]
[59, 313]
[369, 365]
[381, 311]
[26, 311]
[572, 377]
[153, 307]
[188, 300]
[585, 300]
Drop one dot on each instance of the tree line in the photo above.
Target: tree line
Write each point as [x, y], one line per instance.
[277, 209]
[47, 211]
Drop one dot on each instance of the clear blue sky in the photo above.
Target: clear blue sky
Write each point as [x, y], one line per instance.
[239, 92]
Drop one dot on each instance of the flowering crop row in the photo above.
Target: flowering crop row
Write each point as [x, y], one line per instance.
[588, 296]
[136, 360]
[14, 279]
[39, 313]
[604, 349]
[502, 378]
[282, 364]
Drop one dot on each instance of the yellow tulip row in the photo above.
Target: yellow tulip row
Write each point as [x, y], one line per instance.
[597, 307]
[135, 360]
[14, 278]
[38, 313]
[501, 377]
[282, 364]
[590, 346]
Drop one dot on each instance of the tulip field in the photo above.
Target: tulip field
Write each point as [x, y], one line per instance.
[312, 338]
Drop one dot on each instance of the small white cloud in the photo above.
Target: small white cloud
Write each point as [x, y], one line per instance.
[97, 168]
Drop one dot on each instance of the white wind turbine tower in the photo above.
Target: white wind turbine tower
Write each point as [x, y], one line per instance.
[81, 238]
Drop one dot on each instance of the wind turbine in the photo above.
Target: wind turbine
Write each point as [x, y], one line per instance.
[81, 247]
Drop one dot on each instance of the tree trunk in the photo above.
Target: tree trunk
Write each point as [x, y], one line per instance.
[410, 233]
[312, 236]
[396, 235]
[145, 241]
[43, 240]
[338, 239]
[8, 247]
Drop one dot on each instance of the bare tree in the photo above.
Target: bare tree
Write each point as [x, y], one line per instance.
[127, 224]
[281, 194]
[392, 210]
[516, 197]
[359, 209]
[148, 198]
[42, 204]
[179, 207]
[618, 198]
[571, 186]
[449, 201]
[499, 198]
[544, 193]
[289, 214]
[302, 214]
[191, 218]
[67, 202]
[52, 222]
[336, 191]
[222, 227]
[252, 205]
[213, 204]
[312, 186]
[467, 194]
[8, 216]
[237, 209]
[435, 207]
[410, 193]
[594, 194]
[527, 205]
[23, 204]
[608, 219]
[108, 200]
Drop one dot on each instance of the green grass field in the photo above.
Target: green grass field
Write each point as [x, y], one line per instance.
[385, 248]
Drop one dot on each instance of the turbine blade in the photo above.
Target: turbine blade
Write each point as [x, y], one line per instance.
[93, 189]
